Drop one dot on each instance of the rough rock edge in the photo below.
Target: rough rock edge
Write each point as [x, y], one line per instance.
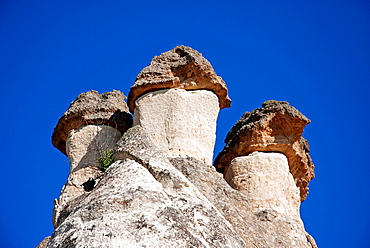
[245, 138]
[266, 228]
[44, 242]
[135, 145]
[68, 209]
[182, 67]
[108, 108]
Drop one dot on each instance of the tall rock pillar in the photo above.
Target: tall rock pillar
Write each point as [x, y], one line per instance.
[177, 99]
[88, 130]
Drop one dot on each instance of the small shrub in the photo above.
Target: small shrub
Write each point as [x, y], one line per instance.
[105, 159]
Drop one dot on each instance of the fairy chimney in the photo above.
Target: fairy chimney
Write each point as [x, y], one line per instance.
[276, 127]
[89, 128]
[177, 99]
[160, 189]
[267, 158]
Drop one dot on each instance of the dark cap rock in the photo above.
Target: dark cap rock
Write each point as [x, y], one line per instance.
[92, 108]
[182, 67]
[276, 127]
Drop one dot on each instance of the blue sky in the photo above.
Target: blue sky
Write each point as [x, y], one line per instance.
[313, 54]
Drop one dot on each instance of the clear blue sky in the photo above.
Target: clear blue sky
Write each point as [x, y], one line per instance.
[313, 54]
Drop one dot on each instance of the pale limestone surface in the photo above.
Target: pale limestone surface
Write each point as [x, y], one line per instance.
[266, 181]
[162, 190]
[83, 149]
[180, 122]
[143, 201]
[263, 229]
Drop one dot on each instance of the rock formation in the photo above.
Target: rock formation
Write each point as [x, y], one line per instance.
[177, 99]
[143, 201]
[91, 126]
[90, 108]
[159, 188]
[276, 127]
[258, 228]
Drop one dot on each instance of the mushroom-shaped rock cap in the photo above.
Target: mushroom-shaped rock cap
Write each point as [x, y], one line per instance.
[276, 127]
[108, 108]
[181, 67]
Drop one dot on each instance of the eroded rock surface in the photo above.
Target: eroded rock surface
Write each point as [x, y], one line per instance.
[161, 189]
[91, 126]
[265, 180]
[259, 228]
[143, 201]
[276, 127]
[108, 108]
[84, 147]
[182, 67]
[43, 243]
[180, 122]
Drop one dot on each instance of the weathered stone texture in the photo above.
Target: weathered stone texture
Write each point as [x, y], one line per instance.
[182, 67]
[93, 123]
[143, 201]
[161, 190]
[265, 180]
[108, 108]
[264, 229]
[276, 127]
[43, 243]
[180, 122]
[84, 147]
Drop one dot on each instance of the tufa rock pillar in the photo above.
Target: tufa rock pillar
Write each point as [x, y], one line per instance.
[276, 127]
[177, 99]
[161, 189]
[267, 159]
[88, 130]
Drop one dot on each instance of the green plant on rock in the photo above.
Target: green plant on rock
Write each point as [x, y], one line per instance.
[105, 159]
